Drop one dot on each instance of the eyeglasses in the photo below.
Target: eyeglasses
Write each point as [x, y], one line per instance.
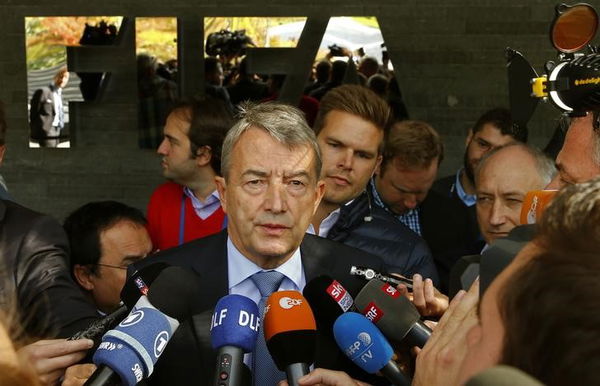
[111, 266]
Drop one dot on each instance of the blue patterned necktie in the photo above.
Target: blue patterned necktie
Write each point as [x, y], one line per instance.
[264, 369]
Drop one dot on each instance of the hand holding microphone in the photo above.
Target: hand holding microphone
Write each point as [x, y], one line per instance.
[128, 353]
[366, 346]
[392, 313]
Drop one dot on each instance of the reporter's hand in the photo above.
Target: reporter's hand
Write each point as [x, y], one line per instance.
[426, 298]
[77, 375]
[322, 377]
[440, 360]
[50, 358]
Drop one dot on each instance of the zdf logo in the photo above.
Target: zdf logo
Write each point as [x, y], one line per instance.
[286, 303]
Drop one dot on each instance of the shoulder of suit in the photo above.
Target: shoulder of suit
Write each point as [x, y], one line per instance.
[335, 249]
[199, 251]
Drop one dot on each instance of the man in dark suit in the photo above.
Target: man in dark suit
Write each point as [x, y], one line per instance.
[411, 157]
[46, 114]
[270, 190]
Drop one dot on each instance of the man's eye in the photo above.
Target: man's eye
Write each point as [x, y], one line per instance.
[332, 144]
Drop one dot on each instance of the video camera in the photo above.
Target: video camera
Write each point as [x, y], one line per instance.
[573, 83]
[228, 43]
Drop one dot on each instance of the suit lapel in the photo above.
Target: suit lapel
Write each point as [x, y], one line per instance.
[315, 258]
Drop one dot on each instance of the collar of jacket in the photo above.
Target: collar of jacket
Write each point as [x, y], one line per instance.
[351, 217]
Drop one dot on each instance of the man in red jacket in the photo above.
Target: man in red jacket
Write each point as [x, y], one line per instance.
[188, 207]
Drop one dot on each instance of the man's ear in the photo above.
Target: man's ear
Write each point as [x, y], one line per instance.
[83, 276]
[222, 189]
[203, 155]
[469, 137]
[377, 165]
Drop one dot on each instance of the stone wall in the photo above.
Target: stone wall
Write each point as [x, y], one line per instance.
[448, 56]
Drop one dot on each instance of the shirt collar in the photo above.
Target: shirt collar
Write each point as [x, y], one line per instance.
[468, 199]
[197, 203]
[241, 268]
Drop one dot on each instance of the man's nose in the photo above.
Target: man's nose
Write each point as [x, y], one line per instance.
[346, 159]
[275, 199]
[163, 148]
[498, 214]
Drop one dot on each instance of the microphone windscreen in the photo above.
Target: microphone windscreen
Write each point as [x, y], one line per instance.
[362, 342]
[173, 291]
[534, 205]
[139, 281]
[235, 322]
[132, 348]
[289, 328]
[502, 376]
[328, 299]
[383, 305]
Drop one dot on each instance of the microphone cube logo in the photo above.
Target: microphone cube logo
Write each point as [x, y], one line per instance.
[286, 303]
[133, 318]
[390, 290]
[340, 295]
[160, 343]
[141, 285]
[372, 312]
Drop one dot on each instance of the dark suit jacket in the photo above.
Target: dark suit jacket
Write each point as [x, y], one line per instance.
[189, 358]
[41, 113]
[448, 231]
[35, 272]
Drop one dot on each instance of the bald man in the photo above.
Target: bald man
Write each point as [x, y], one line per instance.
[502, 179]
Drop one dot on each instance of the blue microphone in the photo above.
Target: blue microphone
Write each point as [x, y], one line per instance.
[128, 352]
[133, 347]
[366, 346]
[233, 332]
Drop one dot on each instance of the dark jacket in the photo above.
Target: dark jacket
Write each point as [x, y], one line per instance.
[189, 358]
[35, 274]
[449, 232]
[401, 249]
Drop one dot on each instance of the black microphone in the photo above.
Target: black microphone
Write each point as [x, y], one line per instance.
[392, 313]
[135, 286]
[128, 353]
[328, 299]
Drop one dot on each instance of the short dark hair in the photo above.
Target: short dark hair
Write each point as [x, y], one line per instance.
[211, 65]
[323, 70]
[412, 144]
[356, 100]
[551, 316]
[501, 118]
[84, 226]
[209, 119]
[552, 302]
[2, 125]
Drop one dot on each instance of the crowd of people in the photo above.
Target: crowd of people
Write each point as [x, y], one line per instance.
[344, 179]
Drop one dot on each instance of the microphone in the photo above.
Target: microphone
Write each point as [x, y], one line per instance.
[328, 299]
[128, 352]
[534, 205]
[130, 295]
[393, 313]
[366, 346]
[233, 332]
[290, 333]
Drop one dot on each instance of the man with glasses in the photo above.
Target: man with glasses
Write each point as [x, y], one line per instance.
[105, 237]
